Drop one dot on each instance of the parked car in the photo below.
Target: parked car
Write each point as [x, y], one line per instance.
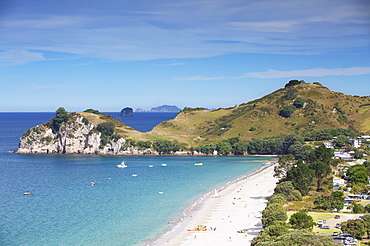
[350, 241]
[335, 233]
[337, 216]
[345, 235]
[338, 225]
[325, 227]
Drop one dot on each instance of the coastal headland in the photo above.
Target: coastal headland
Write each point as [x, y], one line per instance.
[231, 217]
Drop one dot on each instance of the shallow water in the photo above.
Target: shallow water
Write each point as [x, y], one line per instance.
[65, 209]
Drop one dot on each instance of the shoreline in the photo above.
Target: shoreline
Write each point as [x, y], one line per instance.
[200, 211]
[154, 154]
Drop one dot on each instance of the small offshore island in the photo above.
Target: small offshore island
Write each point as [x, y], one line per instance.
[271, 125]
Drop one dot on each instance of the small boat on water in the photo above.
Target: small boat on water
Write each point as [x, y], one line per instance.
[93, 183]
[150, 165]
[134, 175]
[198, 164]
[164, 165]
[122, 165]
[28, 193]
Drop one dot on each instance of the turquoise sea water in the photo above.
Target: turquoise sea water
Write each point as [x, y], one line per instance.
[120, 210]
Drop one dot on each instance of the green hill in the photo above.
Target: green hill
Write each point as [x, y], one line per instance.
[315, 107]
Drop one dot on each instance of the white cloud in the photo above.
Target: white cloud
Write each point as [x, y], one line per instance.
[315, 72]
[200, 78]
[13, 57]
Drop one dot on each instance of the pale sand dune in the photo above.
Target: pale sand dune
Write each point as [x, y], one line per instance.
[238, 207]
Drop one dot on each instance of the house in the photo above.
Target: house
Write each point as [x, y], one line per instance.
[338, 182]
[355, 142]
[342, 156]
[329, 145]
[366, 137]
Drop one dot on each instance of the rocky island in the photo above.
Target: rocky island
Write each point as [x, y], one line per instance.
[78, 133]
[166, 108]
[127, 112]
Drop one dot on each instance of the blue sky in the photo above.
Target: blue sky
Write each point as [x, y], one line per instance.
[112, 54]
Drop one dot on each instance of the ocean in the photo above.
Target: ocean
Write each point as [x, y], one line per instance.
[121, 209]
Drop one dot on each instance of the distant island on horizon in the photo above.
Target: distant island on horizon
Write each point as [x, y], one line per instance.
[165, 108]
[162, 108]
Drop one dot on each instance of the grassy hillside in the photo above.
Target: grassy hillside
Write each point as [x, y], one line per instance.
[260, 118]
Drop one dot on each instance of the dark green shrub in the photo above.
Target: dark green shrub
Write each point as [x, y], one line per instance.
[287, 111]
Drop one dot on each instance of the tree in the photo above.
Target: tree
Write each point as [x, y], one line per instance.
[106, 128]
[340, 141]
[276, 230]
[274, 217]
[358, 174]
[367, 208]
[296, 237]
[301, 177]
[356, 227]
[299, 102]
[61, 116]
[166, 146]
[277, 198]
[366, 219]
[321, 154]
[358, 208]
[299, 151]
[239, 148]
[295, 82]
[90, 110]
[301, 220]
[287, 111]
[273, 213]
[224, 147]
[285, 163]
[321, 170]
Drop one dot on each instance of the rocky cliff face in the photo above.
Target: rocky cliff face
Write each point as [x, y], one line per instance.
[77, 136]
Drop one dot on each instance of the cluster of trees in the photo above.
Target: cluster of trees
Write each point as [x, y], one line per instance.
[328, 133]
[107, 130]
[357, 177]
[275, 229]
[294, 82]
[334, 201]
[296, 177]
[167, 147]
[302, 172]
[292, 143]
[224, 147]
[357, 227]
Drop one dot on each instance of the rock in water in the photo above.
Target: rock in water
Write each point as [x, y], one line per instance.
[127, 112]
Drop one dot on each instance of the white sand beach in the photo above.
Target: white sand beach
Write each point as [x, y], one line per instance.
[238, 207]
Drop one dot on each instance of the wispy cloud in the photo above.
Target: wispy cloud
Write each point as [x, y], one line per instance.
[146, 30]
[174, 64]
[50, 86]
[200, 78]
[315, 72]
[14, 57]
